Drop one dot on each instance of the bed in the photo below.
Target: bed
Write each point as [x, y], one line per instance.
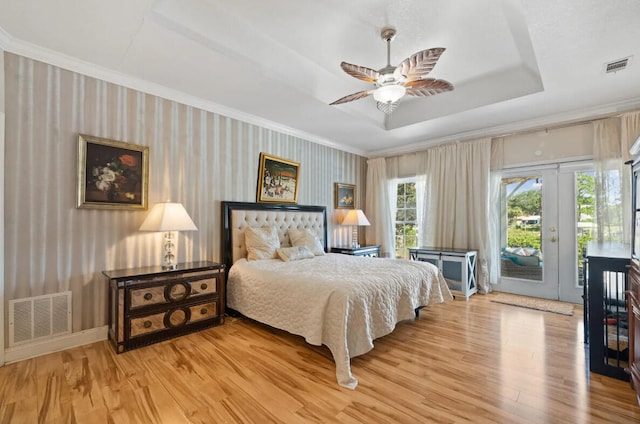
[340, 301]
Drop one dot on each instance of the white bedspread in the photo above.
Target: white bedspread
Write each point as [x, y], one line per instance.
[341, 301]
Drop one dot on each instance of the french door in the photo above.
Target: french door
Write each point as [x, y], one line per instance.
[545, 212]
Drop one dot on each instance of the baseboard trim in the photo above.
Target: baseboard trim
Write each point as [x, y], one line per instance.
[32, 350]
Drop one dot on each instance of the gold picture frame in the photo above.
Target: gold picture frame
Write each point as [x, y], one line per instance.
[345, 196]
[278, 180]
[111, 174]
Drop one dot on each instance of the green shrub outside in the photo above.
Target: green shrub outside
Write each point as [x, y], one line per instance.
[518, 237]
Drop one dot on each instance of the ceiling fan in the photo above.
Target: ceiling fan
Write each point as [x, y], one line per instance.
[393, 82]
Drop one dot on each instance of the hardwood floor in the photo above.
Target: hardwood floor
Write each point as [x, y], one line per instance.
[475, 361]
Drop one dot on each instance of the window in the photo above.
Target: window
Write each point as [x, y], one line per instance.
[406, 219]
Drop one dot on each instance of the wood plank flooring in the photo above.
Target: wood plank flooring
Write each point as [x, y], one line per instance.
[461, 362]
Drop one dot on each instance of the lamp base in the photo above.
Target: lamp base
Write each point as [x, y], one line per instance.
[169, 257]
[354, 238]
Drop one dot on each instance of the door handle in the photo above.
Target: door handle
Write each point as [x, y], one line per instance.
[553, 239]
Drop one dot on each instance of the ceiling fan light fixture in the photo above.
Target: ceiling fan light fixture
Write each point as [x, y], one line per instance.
[393, 82]
[389, 93]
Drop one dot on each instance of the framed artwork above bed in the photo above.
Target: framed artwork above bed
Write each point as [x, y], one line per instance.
[278, 180]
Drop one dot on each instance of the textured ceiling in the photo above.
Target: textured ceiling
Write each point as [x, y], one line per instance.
[515, 65]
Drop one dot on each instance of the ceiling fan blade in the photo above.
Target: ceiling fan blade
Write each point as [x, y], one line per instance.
[420, 64]
[360, 72]
[352, 97]
[427, 87]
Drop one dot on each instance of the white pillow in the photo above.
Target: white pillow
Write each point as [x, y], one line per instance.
[261, 242]
[294, 253]
[307, 239]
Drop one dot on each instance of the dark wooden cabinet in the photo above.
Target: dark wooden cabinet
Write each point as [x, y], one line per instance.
[147, 305]
[633, 295]
[633, 299]
[373, 251]
[606, 311]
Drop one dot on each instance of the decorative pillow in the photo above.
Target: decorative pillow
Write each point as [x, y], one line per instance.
[261, 242]
[294, 253]
[528, 261]
[307, 239]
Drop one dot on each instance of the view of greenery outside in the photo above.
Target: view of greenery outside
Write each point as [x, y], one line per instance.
[526, 203]
[585, 214]
[406, 219]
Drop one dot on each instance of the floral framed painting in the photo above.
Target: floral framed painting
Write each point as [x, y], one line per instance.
[278, 180]
[112, 174]
[345, 196]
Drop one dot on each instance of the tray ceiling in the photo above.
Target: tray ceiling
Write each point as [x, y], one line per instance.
[515, 64]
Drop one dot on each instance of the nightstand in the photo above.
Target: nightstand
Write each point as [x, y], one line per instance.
[373, 251]
[149, 304]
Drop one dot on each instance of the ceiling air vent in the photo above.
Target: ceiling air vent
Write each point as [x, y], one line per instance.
[617, 65]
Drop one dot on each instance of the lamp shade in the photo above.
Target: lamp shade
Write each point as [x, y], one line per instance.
[389, 93]
[355, 217]
[168, 217]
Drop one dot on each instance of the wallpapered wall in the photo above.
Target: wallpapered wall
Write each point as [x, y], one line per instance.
[198, 158]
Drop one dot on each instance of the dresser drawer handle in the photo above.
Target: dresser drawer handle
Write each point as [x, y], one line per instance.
[203, 286]
[203, 311]
[148, 296]
[147, 324]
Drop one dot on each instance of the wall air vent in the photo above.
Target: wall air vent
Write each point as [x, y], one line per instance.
[39, 317]
[617, 65]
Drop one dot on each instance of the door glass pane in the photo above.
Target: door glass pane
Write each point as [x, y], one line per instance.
[585, 217]
[521, 253]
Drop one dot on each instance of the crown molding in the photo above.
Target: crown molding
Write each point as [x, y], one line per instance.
[73, 64]
[5, 39]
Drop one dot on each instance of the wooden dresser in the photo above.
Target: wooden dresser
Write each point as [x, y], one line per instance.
[149, 304]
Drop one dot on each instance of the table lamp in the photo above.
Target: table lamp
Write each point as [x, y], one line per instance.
[168, 217]
[355, 218]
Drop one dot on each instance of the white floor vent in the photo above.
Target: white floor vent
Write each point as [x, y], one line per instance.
[39, 317]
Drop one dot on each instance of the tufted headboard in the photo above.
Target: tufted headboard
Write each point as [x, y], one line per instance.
[237, 216]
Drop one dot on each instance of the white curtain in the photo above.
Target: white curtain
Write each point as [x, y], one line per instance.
[494, 232]
[630, 131]
[378, 208]
[612, 188]
[457, 200]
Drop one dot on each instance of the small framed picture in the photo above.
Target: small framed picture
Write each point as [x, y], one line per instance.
[345, 196]
[278, 180]
[111, 174]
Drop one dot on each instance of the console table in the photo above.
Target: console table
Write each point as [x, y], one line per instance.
[458, 266]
